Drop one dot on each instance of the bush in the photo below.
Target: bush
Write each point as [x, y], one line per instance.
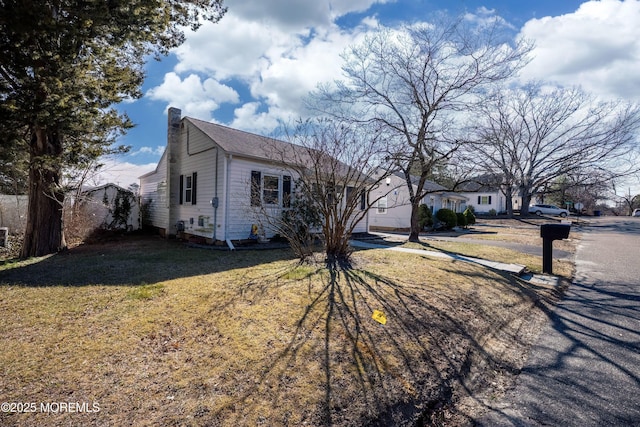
[447, 217]
[461, 219]
[425, 217]
[470, 215]
[493, 212]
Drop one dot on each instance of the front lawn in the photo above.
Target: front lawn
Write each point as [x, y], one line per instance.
[156, 333]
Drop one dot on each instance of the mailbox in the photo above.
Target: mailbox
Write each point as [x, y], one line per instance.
[555, 231]
[549, 233]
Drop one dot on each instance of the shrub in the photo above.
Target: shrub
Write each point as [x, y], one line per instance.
[447, 217]
[493, 212]
[470, 215]
[461, 219]
[425, 217]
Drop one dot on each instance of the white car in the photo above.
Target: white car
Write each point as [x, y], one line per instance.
[548, 210]
[636, 212]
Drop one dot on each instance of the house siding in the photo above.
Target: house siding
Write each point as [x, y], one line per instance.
[242, 215]
[192, 151]
[498, 202]
[13, 212]
[198, 155]
[95, 204]
[398, 212]
[153, 195]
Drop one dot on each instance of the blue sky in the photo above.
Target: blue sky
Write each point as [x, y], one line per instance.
[254, 67]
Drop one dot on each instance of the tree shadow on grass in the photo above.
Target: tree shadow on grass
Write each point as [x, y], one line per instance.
[398, 373]
[357, 371]
[134, 260]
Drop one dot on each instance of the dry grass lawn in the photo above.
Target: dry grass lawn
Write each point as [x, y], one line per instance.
[157, 333]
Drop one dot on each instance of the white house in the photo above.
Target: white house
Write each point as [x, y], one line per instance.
[392, 210]
[484, 196]
[112, 207]
[213, 181]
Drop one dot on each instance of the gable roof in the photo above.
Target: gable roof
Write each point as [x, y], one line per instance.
[241, 143]
[429, 186]
[488, 183]
[249, 145]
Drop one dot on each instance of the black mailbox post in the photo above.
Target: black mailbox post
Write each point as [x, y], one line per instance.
[549, 233]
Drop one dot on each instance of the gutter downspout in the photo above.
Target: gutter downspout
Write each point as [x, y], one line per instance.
[215, 200]
[227, 161]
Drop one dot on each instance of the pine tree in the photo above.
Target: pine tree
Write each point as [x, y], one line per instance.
[65, 64]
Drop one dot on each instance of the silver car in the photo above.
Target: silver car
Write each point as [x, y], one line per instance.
[636, 212]
[548, 210]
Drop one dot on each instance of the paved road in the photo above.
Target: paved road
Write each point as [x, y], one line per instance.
[585, 368]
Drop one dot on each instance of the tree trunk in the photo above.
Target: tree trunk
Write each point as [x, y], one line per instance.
[414, 235]
[44, 233]
[526, 201]
[509, 202]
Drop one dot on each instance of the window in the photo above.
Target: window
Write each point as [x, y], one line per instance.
[266, 189]
[382, 205]
[484, 200]
[188, 188]
[363, 197]
[270, 193]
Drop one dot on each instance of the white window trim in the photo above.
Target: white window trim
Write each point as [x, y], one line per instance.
[382, 206]
[278, 202]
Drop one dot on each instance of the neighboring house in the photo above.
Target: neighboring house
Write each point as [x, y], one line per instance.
[484, 195]
[214, 181]
[392, 211]
[13, 212]
[112, 207]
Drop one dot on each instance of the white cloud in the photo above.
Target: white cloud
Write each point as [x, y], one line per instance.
[249, 118]
[157, 151]
[597, 47]
[278, 65]
[298, 15]
[195, 97]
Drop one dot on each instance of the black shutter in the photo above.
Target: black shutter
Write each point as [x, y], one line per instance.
[363, 200]
[194, 185]
[479, 200]
[181, 188]
[489, 199]
[286, 191]
[255, 188]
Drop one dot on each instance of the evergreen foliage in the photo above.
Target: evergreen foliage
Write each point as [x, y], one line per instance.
[65, 63]
[425, 217]
[461, 219]
[447, 217]
[470, 215]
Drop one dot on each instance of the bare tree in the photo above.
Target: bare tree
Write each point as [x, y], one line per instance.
[413, 84]
[533, 136]
[627, 202]
[333, 168]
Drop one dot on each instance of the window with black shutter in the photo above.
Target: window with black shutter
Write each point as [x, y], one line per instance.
[286, 191]
[181, 197]
[194, 186]
[255, 188]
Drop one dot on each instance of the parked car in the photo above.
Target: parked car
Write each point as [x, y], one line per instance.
[636, 212]
[548, 210]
